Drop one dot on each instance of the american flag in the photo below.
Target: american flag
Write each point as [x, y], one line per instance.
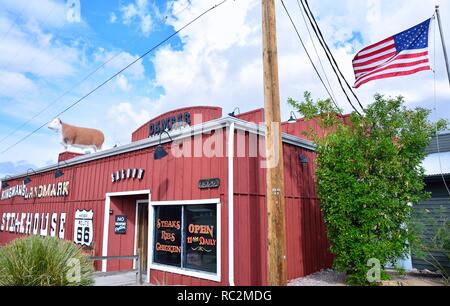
[402, 54]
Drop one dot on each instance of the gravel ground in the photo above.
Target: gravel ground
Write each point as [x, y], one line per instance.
[322, 278]
[332, 278]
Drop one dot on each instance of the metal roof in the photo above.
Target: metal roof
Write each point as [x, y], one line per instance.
[444, 143]
[154, 141]
[437, 163]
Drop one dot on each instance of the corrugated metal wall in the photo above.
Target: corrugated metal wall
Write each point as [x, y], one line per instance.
[444, 144]
[432, 213]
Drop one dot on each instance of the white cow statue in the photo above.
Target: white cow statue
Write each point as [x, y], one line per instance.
[78, 137]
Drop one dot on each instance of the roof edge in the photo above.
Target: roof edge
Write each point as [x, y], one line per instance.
[153, 141]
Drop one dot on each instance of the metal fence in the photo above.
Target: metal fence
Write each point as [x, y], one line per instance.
[137, 259]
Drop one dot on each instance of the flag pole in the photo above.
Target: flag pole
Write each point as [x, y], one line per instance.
[441, 31]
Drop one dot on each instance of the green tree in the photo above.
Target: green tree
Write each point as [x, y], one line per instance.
[368, 174]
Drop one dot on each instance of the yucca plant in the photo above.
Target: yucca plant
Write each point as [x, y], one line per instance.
[36, 261]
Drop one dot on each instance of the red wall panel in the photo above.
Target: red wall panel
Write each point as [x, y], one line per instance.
[176, 179]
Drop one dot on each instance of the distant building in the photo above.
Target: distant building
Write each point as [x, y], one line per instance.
[437, 169]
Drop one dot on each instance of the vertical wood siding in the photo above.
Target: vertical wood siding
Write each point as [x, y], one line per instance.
[172, 179]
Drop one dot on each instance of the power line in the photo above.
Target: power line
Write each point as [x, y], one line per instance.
[31, 60]
[59, 98]
[328, 52]
[17, 18]
[67, 91]
[117, 73]
[307, 53]
[181, 10]
[315, 49]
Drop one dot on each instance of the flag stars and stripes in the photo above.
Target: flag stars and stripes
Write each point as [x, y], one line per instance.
[402, 54]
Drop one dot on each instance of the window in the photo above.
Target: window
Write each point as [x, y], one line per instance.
[186, 237]
[200, 238]
[168, 235]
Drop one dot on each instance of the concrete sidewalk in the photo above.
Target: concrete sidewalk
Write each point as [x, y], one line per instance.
[118, 279]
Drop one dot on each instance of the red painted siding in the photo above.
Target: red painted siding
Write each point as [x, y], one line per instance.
[202, 113]
[67, 155]
[172, 179]
[255, 116]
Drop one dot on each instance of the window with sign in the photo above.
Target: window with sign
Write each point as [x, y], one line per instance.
[168, 235]
[186, 237]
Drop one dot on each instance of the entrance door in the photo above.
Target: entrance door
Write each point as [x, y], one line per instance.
[142, 236]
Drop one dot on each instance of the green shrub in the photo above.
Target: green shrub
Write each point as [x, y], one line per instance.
[368, 172]
[432, 237]
[36, 261]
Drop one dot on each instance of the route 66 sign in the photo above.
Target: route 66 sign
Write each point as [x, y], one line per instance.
[84, 227]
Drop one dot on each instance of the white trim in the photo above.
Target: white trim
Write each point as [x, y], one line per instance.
[127, 193]
[105, 232]
[187, 202]
[231, 206]
[217, 277]
[175, 270]
[219, 242]
[149, 239]
[106, 220]
[135, 233]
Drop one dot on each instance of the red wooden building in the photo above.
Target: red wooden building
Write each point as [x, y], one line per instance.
[197, 215]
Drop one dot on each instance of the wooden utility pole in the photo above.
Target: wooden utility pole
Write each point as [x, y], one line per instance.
[277, 271]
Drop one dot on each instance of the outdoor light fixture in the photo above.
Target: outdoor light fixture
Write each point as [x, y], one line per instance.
[303, 159]
[27, 179]
[293, 118]
[160, 153]
[233, 114]
[5, 184]
[59, 172]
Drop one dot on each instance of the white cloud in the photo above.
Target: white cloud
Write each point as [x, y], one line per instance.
[138, 12]
[119, 60]
[52, 13]
[221, 62]
[123, 83]
[29, 45]
[126, 117]
[124, 114]
[112, 18]
[15, 84]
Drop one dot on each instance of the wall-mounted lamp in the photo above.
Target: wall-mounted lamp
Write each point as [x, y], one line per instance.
[303, 159]
[293, 118]
[59, 172]
[233, 114]
[160, 153]
[5, 184]
[27, 179]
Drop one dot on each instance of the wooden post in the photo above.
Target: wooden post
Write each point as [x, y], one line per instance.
[277, 272]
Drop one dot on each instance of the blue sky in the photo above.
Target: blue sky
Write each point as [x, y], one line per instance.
[216, 61]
